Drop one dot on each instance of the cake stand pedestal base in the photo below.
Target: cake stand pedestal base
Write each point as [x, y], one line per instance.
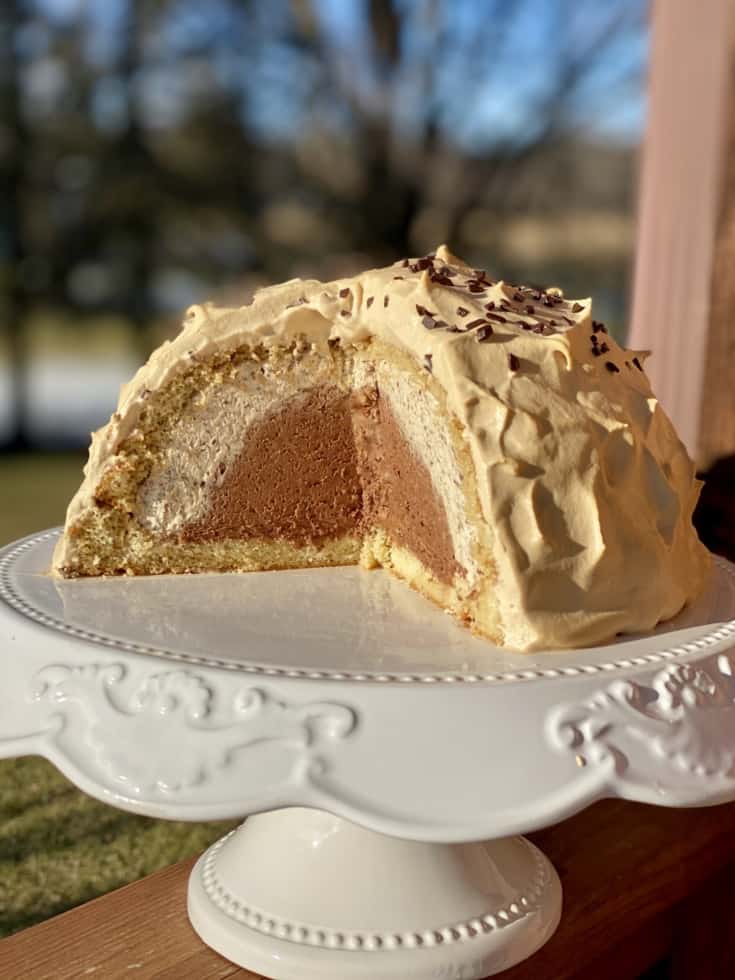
[299, 894]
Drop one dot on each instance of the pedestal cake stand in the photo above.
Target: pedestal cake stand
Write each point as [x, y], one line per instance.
[390, 757]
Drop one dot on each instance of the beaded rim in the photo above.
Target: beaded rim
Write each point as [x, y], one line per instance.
[308, 934]
[9, 594]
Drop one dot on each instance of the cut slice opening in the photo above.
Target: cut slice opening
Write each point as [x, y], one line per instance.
[326, 464]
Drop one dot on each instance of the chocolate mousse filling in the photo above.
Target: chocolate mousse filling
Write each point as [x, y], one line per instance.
[330, 464]
[398, 493]
[295, 478]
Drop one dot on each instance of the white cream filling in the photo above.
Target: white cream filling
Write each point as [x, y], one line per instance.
[424, 427]
[209, 436]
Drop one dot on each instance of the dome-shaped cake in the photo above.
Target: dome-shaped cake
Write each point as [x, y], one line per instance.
[490, 444]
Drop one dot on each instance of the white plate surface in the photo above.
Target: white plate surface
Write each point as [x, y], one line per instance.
[342, 621]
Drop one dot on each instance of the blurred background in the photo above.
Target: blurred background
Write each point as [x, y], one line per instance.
[154, 153]
[159, 152]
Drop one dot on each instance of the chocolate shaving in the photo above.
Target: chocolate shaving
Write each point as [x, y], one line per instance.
[430, 323]
[637, 363]
[370, 301]
[428, 363]
[530, 309]
[490, 305]
[604, 348]
[577, 308]
[440, 279]
[422, 311]
[476, 323]
[612, 368]
[513, 362]
[484, 333]
[343, 293]
[476, 287]
[496, 317]
[386, 300]
[461, 311]
[596, 325]
[344, 313]
[518, 297]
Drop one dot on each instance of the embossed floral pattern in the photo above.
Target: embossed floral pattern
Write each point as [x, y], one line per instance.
[161, 733]
[682, 717]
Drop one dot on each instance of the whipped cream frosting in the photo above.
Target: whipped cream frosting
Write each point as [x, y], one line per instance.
[580, 473]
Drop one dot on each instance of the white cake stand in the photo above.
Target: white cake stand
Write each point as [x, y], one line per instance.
[314, 699]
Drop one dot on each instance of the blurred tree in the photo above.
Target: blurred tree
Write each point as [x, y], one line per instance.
[156, 150]
[128, 169]
[13, 152]
[413, 91]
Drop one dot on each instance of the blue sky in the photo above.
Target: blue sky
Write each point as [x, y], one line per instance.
[500, 95]
[525, 66]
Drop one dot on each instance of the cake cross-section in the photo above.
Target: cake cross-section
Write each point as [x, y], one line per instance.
[488, 443]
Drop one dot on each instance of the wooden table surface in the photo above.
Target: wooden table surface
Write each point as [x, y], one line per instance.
[641, 884]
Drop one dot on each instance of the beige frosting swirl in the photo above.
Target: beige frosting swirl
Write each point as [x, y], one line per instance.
[580, 473]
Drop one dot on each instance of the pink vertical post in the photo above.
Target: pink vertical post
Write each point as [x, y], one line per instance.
[680, 202]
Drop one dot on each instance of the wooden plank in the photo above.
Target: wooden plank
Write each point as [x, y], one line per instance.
[704, 945]
[626, 869]
[631, 956]
[139, 931]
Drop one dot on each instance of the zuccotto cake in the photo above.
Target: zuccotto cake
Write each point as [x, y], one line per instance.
[490, 444]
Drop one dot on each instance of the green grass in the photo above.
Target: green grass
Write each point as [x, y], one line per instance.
[59, 847]
[35, 490]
